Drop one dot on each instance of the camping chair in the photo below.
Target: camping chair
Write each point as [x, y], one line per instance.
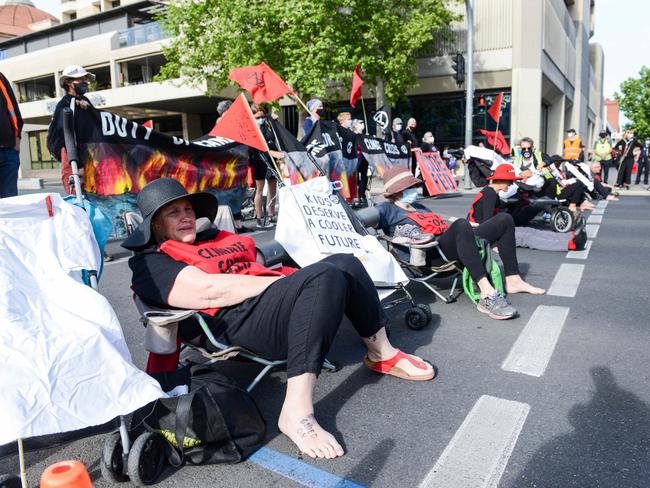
[411, 258]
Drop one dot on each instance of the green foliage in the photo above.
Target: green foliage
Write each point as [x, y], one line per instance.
[634, 101]
[313, 45]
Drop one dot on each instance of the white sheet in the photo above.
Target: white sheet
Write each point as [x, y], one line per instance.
[63, 358]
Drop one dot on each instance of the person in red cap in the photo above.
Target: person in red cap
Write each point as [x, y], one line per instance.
[456, 241]
[486, 204]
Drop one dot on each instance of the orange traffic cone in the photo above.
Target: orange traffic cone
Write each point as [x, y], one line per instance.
[69, 474]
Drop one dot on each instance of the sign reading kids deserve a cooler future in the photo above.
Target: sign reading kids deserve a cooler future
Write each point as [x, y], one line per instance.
[327, 221]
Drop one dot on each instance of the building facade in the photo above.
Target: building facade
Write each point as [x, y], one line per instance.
[537, 52]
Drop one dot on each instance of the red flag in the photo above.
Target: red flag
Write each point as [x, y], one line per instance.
[501, 145]
[495, 109]
[239, 125]
[148, 124]
[357, 83]
[261, 81]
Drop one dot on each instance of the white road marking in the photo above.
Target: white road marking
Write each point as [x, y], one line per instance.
[566, 281]
[602, 204]
[534, 347]
[598, 211]
[580, 254]
[595, 219]
[592, 230]
[479, 451]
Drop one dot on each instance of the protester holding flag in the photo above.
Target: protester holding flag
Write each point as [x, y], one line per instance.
[261, 173]
[74, 80]
[316, 111]
[292, 314]
[457, 241]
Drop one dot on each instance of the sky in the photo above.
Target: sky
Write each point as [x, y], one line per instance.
[621, 28]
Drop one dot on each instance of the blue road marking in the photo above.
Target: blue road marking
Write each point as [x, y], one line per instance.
[299, 471]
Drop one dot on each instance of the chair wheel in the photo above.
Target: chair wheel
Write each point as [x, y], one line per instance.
[562, 220]
[146, 459]
[427, 311]
[112, 463]
[416, 318]
[10, 481]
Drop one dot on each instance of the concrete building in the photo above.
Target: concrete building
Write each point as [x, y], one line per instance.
[536, 51]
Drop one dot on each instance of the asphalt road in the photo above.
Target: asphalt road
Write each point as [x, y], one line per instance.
[583, 422]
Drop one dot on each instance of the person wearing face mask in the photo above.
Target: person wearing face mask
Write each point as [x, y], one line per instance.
[644, 163]
[316, 111]
[603, 154]
[411, 139]
[359, 127]
[262, 175]
[75, 81]
[572, 147]
[625, 147]
[394, 135]
[456, 241]
[428, 142]
[345, 120]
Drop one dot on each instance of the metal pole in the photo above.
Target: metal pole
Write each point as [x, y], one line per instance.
[469, 83]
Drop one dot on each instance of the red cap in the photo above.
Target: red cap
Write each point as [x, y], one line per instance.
[505, 171]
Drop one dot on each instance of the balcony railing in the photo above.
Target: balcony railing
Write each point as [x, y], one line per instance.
[141, 34]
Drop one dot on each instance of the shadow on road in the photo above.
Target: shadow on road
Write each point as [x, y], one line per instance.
[608, 447]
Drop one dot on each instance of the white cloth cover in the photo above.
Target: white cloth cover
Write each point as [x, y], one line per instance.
[483, 153]
[64, 361]
[294, 235]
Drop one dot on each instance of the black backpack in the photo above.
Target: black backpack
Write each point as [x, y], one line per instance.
[216, 422]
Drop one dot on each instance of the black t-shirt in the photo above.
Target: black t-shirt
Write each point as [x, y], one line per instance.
[627, 153]
[485, 206]
[55, 137]
[410, 138]
[155, 272]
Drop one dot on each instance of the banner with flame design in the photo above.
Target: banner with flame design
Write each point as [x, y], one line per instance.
[120, 157]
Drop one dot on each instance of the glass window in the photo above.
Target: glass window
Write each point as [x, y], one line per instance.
[40, 156]
[36, 89]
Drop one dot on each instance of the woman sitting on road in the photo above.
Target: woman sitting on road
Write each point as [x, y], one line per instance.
[457, 241]
[294, 316]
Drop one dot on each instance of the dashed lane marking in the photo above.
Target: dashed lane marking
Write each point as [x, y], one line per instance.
[598, 211]
[602, 204]
[592, 230]
[595, 219]
[532, 351]
[567, 280]
[580, 254]
[478, 453]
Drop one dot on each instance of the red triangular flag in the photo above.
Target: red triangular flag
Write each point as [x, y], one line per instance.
[238, 124]
[495, 109]
[500, 145]
[148, 124]
[261, 81]
[357, 83]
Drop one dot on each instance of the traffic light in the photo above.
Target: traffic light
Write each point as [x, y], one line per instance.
[458, 65]
[481, 105]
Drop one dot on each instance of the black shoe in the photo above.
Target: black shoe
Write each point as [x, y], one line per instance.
[580, 239]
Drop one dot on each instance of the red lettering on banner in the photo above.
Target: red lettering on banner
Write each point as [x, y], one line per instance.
[437, 177]
[430, 222]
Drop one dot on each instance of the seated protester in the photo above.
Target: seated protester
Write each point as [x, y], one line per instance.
[602, 189]
[573, 191]
[457, 241]
[487, 204]
[277, 315]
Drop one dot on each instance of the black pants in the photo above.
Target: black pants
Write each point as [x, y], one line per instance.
[573, 193]
[625, 172]
[644, 167]
[298, 316]
[459, 243]
[362, 175]
[605, 166]
[601, 189]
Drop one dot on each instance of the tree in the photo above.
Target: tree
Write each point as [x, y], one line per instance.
[313, 45]
[634, 101]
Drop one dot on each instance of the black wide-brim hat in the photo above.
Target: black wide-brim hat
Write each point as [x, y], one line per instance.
[159, 193]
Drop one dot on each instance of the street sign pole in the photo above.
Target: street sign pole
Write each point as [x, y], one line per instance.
[469, 84]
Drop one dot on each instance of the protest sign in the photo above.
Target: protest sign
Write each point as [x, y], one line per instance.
[382, 154]
[437, 176]
[327, 221]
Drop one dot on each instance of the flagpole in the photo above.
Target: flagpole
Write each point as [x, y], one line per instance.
[300, 102]
[365, 118]
[497, 131]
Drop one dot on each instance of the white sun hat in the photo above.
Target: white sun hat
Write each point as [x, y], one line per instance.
[74, 72]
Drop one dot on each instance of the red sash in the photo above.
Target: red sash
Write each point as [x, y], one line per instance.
[226, 253]
[430, 222]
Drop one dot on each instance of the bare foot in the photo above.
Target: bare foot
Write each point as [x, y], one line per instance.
[521, 286]
[308, 435]
[612, 198]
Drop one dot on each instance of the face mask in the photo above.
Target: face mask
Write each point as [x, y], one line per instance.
[362, 127]
[260, 121]
[647, 142]
[526, 153]
[81, 88]
[320, 112]
[409, 196]
[398, 127]
[630, 137]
